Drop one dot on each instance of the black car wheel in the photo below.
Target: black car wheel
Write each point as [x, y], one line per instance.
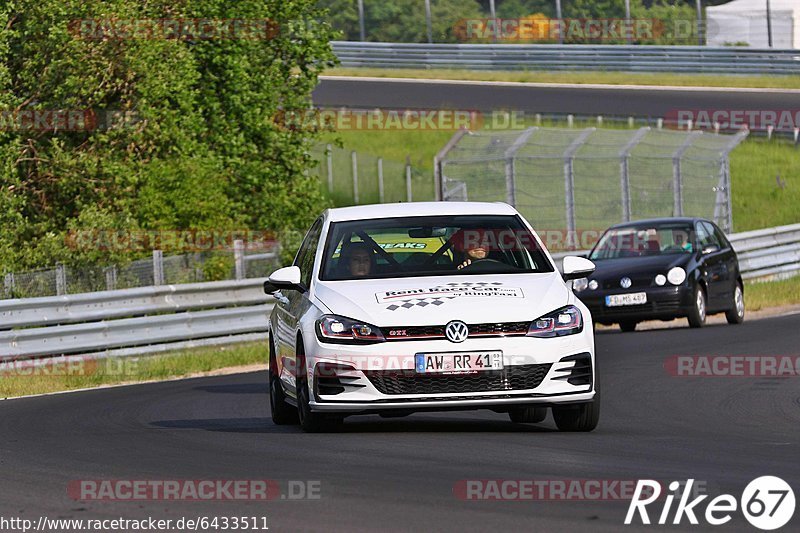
[628, 325]
[310, 421]
[527, 414]
[582, 417]
[735, 315]
[697, 314]
[282, 412]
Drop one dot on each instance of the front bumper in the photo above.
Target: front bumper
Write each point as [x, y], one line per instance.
[663, 303]
[556, 358]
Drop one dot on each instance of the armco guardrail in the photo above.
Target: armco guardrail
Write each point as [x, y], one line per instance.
[771, 253]
[637, 58]
[155, 319]
[149, 319]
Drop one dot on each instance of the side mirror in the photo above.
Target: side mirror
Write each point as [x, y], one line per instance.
[287, 278]
[710, 249]
[576, 267]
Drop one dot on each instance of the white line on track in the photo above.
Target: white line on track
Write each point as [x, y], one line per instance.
[435, 81]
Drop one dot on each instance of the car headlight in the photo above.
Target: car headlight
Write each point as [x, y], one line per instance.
[660, 280]
[676, 275]
[337, 329]
[565, 321]
[593, 285]
[580, 284]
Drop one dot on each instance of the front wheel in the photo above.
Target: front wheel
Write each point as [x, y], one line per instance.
[628, 325]
[282, 413]
[310, 421]
[735, 315]
[582, 417]
[697, 314]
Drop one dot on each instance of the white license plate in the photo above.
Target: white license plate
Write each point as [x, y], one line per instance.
[453, 363]
[634, 298]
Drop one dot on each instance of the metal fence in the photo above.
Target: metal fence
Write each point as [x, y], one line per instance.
[638, 58]
[587, 179]
[352, 178]
[157, 270]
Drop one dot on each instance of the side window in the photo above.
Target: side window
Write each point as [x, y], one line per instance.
[723, 240]
[305, 257]
[705, 235]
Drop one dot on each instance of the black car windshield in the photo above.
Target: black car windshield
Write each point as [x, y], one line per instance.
[431, 246]
[644, 240]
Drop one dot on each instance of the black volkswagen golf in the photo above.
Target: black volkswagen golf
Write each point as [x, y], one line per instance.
[663, 269]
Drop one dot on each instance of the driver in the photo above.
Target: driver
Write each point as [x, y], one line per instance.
[681, 241]
[473, 243]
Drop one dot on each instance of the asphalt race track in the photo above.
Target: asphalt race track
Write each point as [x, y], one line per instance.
[580, 100]
[399, 474]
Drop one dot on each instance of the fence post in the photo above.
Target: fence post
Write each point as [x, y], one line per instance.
[354, 165]
[111, 278]
[511, 167]
[438, 163]
[625, 185]
[61, 279]
[158, 267]
[409, 197]
[677, 177]
[329, 159]
[238, 258]
[380, 180]
[569, 180]
[8, 283]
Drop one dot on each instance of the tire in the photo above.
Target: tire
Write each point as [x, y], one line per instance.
[282, 413]
[735, 315]
[628, 325]
[582, 417]
[697, 314]
[527, 414]
[310, 421]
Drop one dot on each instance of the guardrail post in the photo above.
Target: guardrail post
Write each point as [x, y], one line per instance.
[354, 166]
[111, 278]
[8, 284]
[329, 159]
[238, 258]
[61, 279]
[158, 267]
[380, 180]
[409, 197]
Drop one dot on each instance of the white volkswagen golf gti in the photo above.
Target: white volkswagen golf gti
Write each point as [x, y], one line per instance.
[398, 308]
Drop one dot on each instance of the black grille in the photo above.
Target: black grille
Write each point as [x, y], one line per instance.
[519, 377]
[475, 330]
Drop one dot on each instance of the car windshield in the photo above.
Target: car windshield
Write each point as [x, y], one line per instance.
[644, 240]
[431, 246]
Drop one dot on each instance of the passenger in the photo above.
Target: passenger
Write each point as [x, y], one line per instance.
[358, 259]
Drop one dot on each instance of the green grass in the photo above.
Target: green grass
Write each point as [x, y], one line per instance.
[772, 293]
[612, 78]
[79, 375]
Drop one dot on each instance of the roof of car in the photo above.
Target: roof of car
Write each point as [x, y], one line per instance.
[662, 220]
[418, 209]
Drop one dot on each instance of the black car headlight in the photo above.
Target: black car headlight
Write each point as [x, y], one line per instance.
[565, 321]
[337, 329]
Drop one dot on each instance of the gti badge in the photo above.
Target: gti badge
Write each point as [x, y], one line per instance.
[625, 283]
[456, 331]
